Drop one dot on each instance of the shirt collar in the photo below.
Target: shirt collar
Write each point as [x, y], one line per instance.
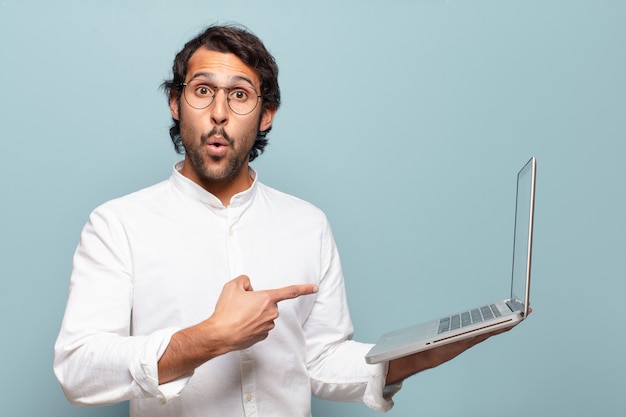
[195, 191]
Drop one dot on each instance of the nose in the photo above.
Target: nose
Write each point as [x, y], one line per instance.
[219, 109]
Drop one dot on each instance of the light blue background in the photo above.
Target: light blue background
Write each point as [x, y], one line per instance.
[405, 121]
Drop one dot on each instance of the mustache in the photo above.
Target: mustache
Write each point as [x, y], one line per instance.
[216, 131]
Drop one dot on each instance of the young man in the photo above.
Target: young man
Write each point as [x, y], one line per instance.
[211, 293]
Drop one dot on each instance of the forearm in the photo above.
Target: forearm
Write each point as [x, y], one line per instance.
[402, 368]
[188, 349]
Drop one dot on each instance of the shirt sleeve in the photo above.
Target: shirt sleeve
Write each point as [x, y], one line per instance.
[336, 363]
[97, 361]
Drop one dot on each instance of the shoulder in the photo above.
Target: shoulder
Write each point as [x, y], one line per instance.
[146, 199]
[289, 206]
[281, 199]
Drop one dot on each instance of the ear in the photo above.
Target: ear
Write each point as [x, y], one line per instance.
[267, 117]
[174, 100]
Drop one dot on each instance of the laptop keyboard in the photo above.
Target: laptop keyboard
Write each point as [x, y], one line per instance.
[466, 318]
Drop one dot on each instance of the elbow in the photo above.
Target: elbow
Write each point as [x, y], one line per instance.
[71, 389]
[74, 383]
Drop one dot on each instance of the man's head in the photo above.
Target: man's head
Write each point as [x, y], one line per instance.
[245, 46]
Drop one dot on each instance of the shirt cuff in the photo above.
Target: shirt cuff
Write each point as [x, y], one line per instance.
[145, 370]
[173, 389]
[379, 396]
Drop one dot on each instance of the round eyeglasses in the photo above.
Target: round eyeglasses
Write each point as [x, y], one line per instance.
[199, 94]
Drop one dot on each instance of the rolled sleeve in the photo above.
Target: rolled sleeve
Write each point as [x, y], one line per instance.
[145, 373]
[379, 396]
[342, 374]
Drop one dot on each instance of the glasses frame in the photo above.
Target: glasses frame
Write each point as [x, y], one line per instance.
[227, 90]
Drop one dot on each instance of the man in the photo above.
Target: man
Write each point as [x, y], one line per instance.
[211, 294]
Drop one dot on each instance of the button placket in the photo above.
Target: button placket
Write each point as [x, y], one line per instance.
[248, 383]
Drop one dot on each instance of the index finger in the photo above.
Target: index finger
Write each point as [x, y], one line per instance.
[292, 291]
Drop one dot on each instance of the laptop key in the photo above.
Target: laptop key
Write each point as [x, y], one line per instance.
[486, 311]
[444, 325]
[476, 317]
[495, 310]
[465, 319]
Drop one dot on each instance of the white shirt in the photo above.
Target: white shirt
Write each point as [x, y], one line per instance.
[155, 261]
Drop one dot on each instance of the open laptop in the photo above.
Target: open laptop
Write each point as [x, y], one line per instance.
[500, 314]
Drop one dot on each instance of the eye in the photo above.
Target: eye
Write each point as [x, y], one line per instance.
[203, 91]
[239, 94]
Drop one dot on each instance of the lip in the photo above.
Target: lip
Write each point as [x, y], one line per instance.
[217, 145]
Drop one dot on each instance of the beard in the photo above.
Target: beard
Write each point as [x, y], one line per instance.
[212, 168]
[216, 168]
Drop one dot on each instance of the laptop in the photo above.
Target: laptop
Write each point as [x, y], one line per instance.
[501, 314]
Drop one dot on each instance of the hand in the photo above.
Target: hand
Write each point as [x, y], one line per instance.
[244, 317]
[402, 368]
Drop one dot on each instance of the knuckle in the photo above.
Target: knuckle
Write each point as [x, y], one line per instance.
[267, 297]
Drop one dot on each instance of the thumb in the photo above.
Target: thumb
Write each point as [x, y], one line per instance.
[243, 282]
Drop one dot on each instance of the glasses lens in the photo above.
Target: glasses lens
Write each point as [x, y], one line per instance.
[241, 99]
[198, 95]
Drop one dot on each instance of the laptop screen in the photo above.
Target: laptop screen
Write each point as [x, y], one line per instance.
[524, 213]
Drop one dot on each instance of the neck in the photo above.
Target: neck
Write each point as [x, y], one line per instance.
[222, 188]
[225, 190]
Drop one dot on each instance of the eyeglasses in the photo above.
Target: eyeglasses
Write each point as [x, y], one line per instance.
[199, 94]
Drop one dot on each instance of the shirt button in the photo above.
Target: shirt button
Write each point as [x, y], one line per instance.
[248, 397]
[230, 232]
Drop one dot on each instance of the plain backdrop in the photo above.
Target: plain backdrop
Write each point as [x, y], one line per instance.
[405, 121]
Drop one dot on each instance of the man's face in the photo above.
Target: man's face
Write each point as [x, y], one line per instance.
[218, 141]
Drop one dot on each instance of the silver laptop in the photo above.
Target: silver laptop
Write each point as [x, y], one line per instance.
[500, 314]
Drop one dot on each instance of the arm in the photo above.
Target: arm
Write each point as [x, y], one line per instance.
[336, 363]
[242, 317]
[98, 360]
[402, 368]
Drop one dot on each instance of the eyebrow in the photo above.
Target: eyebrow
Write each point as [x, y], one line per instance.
[232, 78]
